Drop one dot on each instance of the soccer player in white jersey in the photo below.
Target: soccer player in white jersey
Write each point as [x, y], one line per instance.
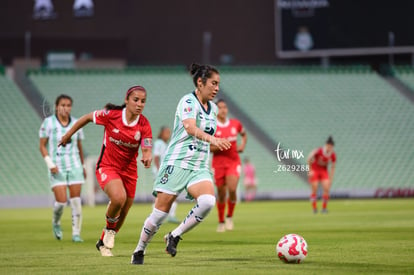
[159, 149]
[186, 163]
[65, 165]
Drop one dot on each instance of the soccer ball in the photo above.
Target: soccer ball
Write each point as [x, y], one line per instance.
[292, 248]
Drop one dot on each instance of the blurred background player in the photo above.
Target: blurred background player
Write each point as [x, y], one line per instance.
[249, 180]
[186, 163]
[318, 161]
[158, 153]
[227, 165]
[65, 165]
[126, 129]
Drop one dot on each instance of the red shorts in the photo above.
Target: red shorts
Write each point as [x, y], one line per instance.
[106, 174]
[225, 169]
[318, 175]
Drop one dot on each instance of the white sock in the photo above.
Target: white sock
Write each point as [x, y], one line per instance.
[151, 226]
[76, 206]
[58, 208]
[204, 204]
[173, 210]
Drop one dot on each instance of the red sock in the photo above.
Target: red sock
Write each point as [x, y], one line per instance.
[325, 199]
[111, 222]
[230, 208]
[313, 200]
[220, 209]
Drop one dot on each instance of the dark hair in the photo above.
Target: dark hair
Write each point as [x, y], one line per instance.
[110, 106]
[220, 100]
[62, 96]
[202, 71]
[330, 141]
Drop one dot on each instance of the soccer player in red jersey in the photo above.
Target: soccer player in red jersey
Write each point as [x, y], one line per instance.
[126, 129]
[227, 165]
[318, 161]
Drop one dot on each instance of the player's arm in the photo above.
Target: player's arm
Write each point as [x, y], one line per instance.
[82, 121]
[157, 161]
[240, 148]
[332, 172]
[311, 157]
[192, 129]
[81, 156]
[45, 154]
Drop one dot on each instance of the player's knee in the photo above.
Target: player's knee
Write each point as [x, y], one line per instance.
[206, 201]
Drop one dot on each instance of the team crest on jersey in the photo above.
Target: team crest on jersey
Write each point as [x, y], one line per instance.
[137, 135]
[102, 113]
[233, 131]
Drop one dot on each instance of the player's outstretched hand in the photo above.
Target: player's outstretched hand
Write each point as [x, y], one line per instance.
[65, 139]
[221, 143]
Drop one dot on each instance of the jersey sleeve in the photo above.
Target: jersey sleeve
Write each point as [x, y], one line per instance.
[186, 108]
[101, 117]
[333, 158]
[146, 135]
[240, 128]
[156, 150]
[44, 130]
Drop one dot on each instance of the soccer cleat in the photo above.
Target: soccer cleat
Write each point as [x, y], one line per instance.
[77, 239]
[324, 211]
[109, 238]
[105, 252]
[57, 231]
[229, 223]
[137, 257]
[172, 243]
[221, 227]
[173, 220]
[315, 211]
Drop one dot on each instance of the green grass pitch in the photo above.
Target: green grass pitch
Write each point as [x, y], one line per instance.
[356, 237]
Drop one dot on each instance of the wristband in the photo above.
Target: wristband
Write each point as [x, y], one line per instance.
[49, 162]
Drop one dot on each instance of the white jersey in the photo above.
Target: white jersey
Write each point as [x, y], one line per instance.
[187, 151]
[65, 157]
[159, 149]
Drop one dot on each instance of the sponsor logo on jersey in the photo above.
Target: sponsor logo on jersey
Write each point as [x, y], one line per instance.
[122, 143]
[192, 147]
[189, 101]
[209, 130]
[137, 135]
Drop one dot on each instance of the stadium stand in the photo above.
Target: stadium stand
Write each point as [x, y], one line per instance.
[298, 107]
[406, 75]
[22, 170]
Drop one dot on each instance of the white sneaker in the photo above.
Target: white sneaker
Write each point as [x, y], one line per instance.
[109, 238]
[105, 252]
[229, 224]
[221, 227]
